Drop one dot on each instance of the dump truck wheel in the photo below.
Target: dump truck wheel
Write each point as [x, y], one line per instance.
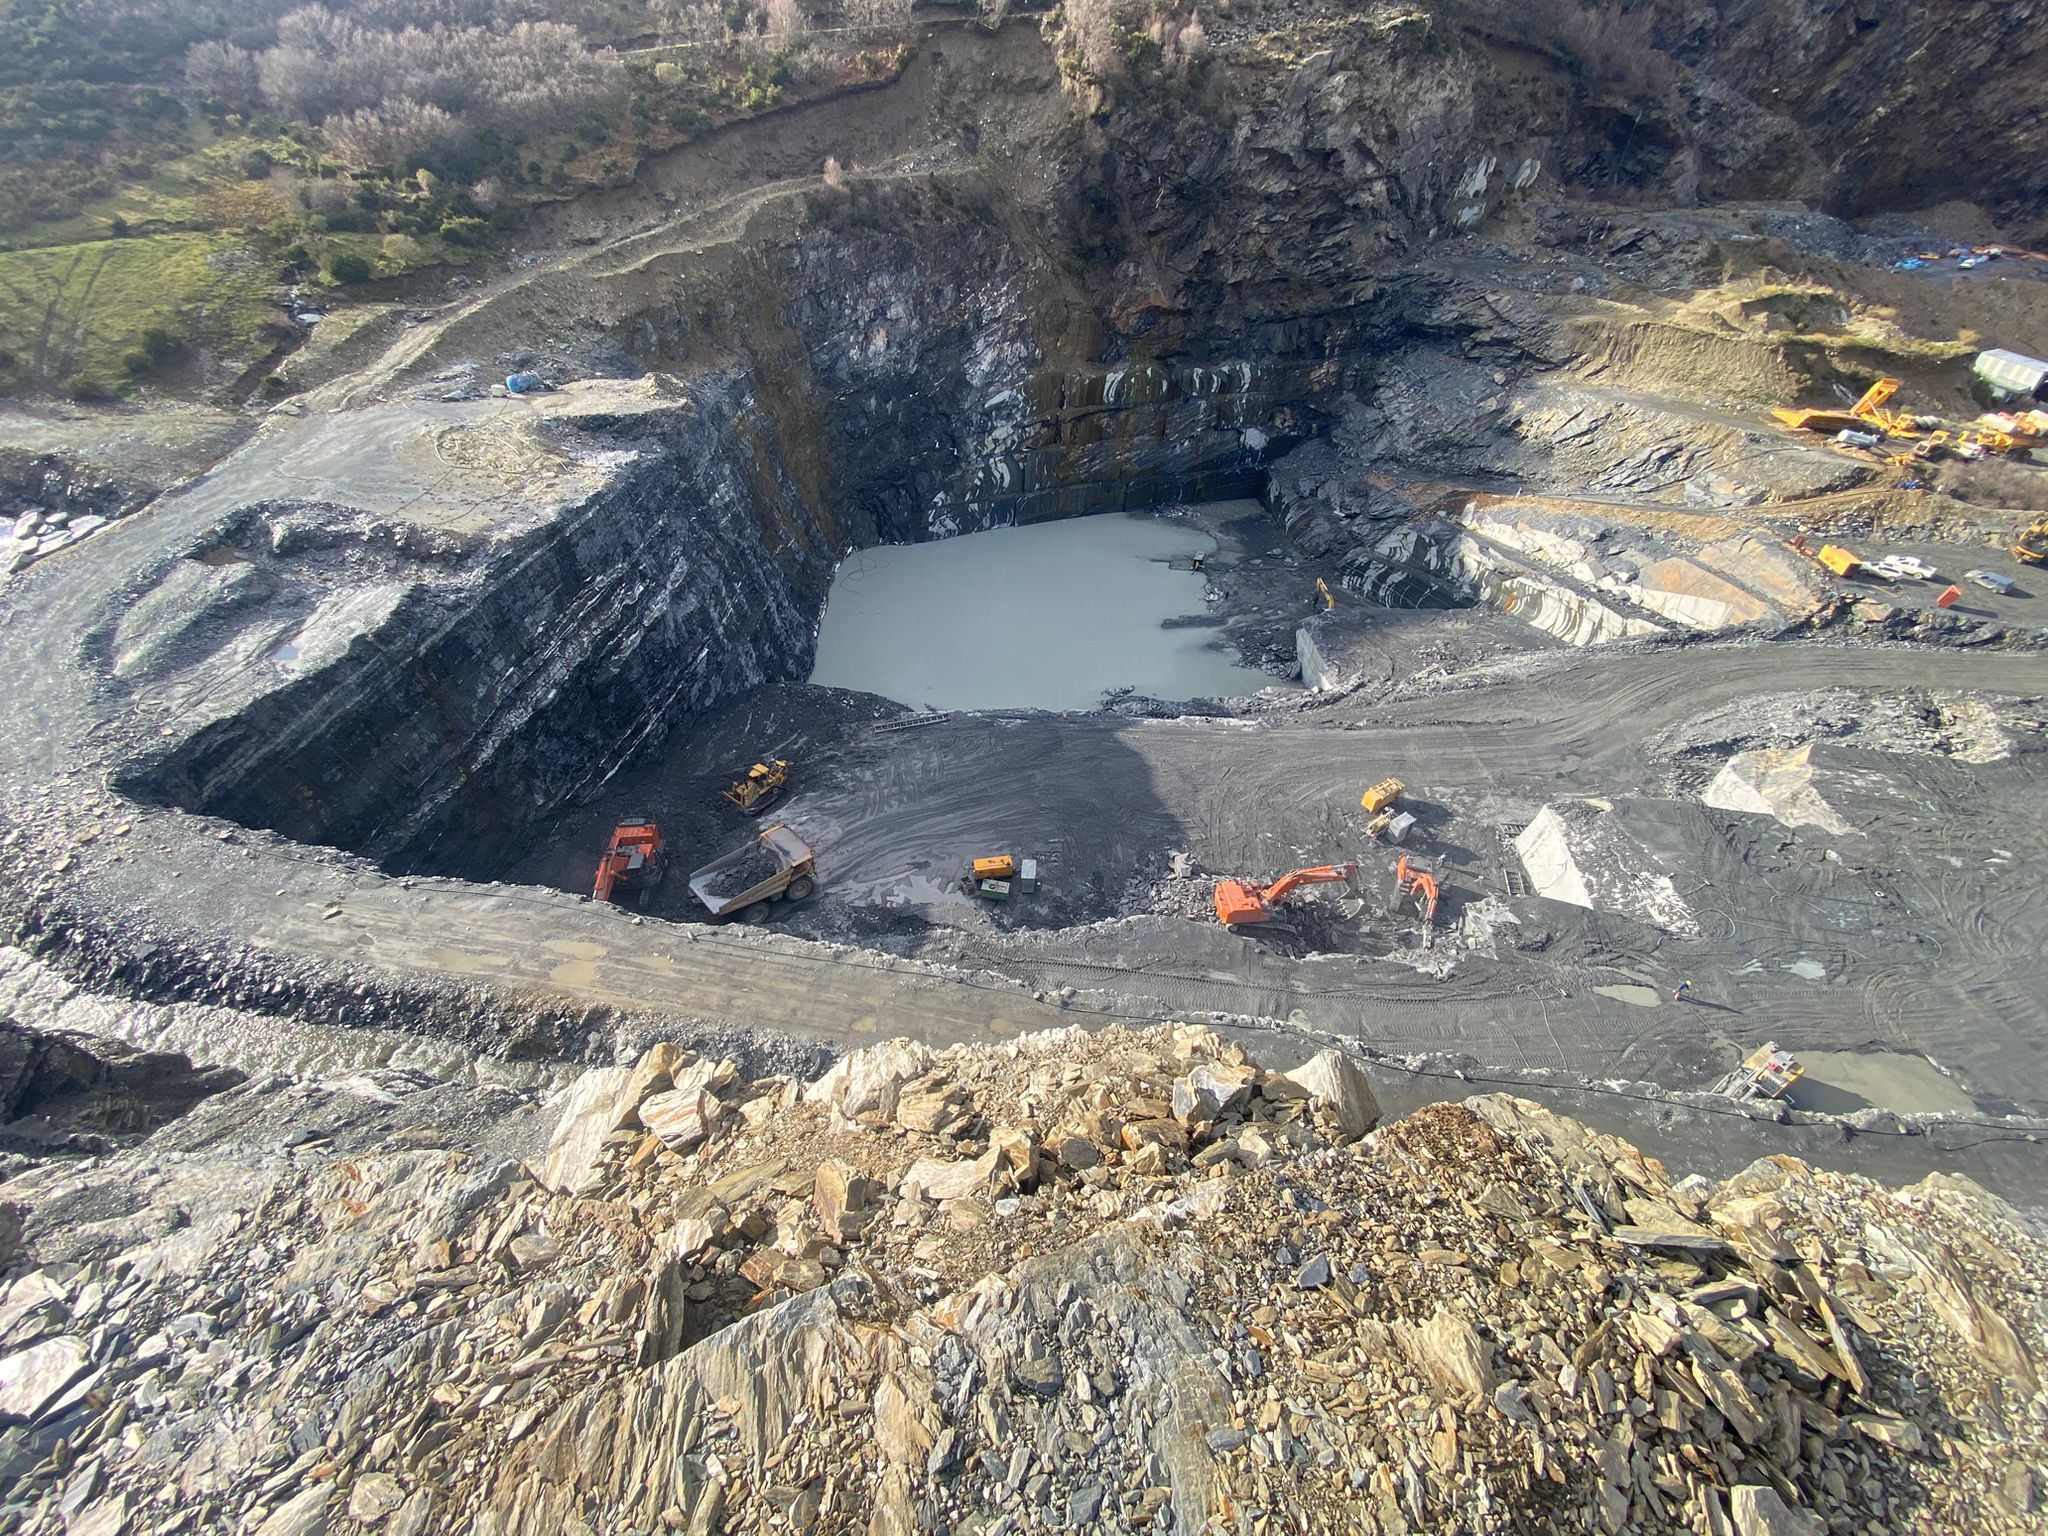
[799, 888]
[757, 913]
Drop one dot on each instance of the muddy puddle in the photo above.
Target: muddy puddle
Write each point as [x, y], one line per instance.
[1841, 1082]
[1051, 616]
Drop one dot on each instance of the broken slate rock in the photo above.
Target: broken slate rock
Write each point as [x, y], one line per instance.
[1757, 1510]
[1084, 1506]
[840, 1195]
[32, 1378]
[574, 1154]
[305, 1514]
[1314, 1273]
[1077, 1153]
[868, 1082]
[1449, 1354]
[680, 1117]
[1042, 1377]
[1336, 1084]
[933, 1178]
[375, 1495]
[530, 1250]
[1211, 1090]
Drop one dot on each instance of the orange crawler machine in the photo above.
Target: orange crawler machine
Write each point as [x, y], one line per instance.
[1412, 879]
[1239, 903]
[631, 865]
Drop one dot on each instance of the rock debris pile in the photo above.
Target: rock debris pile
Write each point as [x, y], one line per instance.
[1128, 1281]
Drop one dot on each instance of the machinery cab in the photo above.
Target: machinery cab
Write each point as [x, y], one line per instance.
[631, 866]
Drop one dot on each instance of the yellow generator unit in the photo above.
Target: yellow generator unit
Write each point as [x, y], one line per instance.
[1001, 866]
[1382, 795]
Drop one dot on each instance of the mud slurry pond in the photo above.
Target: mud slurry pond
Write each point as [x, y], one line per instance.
[1051, 616]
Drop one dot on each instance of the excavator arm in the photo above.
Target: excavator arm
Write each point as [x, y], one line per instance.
[1321, 874]
[1239, 902]
[1413, 880]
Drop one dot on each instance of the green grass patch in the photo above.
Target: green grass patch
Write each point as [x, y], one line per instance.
[391, 255]
[98, 313]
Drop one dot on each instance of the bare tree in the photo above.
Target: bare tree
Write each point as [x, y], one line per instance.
[878, 18]
[219, 71]
[691, 21]
[1094, 37]
[784, 23]
[396, 136]
[379, 84]
[329, 198]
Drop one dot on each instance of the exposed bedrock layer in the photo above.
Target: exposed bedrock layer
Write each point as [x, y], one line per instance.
[411, 626]
[416, 658]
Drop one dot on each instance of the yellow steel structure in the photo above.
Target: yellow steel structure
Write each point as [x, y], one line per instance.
[2031, 547]
[1382, 795]
[1866, 415]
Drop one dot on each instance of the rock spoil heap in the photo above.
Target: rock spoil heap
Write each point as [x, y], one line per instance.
[1129, 1281]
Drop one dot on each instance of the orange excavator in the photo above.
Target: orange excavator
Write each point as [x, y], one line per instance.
[1239, 903]
[1414, 880]
[631, 866]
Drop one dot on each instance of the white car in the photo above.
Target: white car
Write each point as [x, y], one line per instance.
[1991, 581]
[1902, 567]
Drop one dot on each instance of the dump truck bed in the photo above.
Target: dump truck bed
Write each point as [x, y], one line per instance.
[752, 872]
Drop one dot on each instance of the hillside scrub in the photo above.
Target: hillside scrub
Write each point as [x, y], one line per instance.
[396, 133]
[428, 96]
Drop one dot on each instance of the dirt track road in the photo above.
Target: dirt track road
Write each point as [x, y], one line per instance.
[1254, 796]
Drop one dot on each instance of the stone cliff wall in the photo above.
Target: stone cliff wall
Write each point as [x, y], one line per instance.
[1149, 304]
[485, 692]
[424, 698]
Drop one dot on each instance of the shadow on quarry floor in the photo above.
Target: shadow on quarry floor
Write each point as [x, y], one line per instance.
[893, 814]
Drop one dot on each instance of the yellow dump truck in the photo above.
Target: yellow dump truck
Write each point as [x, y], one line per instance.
[775, 866]
[1839, 560]
[1382, 795]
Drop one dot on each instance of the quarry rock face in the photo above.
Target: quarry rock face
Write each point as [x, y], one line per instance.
[1478, 1315]
[1131, 1280]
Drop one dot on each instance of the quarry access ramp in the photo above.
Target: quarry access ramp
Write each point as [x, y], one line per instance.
[209, 887]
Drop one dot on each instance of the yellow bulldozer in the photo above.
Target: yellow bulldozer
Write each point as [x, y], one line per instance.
[2031, 547]
[761, 787]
